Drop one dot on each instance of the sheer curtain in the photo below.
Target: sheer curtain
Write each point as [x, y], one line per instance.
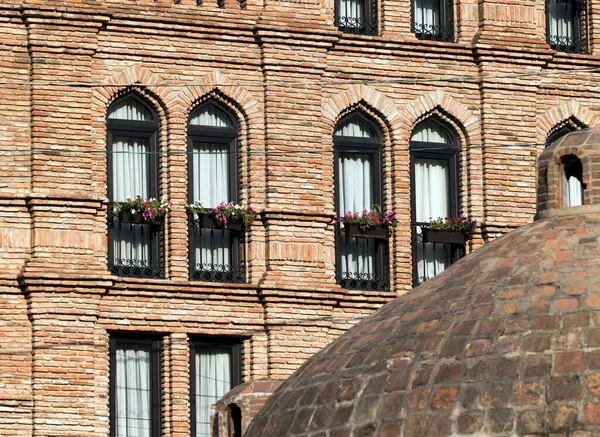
[133, 392]
[431, 196]
[212, 380]
[356, 193]
[130, 177]
[560, 22]
[210, 162]
[572, 191]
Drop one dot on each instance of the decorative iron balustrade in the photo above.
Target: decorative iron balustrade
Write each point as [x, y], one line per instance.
[357, 25]
[567, 25]
[216, 254]
[135, 250]
[433, 20]
[362, 262]
[431, 32]
[431, 258]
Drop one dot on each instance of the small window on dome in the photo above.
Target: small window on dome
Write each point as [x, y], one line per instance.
[572, 181]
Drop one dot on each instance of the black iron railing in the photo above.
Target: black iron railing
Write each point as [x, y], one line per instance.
[216, 254]
[567, 25]
[362, 263]
[357, 25]
[431, 258]
[135, 250]
[433, 22]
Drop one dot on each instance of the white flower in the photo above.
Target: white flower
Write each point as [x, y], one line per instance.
[133, 211]
[128, 198]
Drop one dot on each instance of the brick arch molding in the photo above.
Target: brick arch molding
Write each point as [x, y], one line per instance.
[354, 96]
[466, 124]
[572, 109]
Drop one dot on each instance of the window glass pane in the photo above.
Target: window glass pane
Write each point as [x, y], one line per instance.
[211, 115]
[130, 109]
[212, 372]
[355, 127]
[352, 12]
[133, 391]
[561, 22]
[426, 14]
[356, 188]
[210, 162]
[433, 132]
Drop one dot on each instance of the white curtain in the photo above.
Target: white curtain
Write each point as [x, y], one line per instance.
[210, 186]
[130, 177]
[352, 13]
[572, 191]
[560, 22]
[133, 393]
[432, 188]
[212, 380]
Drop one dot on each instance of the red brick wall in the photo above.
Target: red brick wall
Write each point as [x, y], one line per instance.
[289, 76]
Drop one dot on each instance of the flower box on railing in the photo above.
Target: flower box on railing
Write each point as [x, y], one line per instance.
[446, 237]
[378, 231]
[137, 219]
[207, 220]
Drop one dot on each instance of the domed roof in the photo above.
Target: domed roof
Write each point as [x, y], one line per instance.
[505, 342]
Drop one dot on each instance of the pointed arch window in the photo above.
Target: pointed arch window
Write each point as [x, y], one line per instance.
[433, 20]
[135, 249]
[572, 170]
[434, 193]
[215, 254]
[362, 263]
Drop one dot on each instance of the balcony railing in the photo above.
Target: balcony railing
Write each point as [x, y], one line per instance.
[567, 25]
[430, 259]
[431, 32]
[135, 249]
[357, 25]
[216, 254]
[362, 263]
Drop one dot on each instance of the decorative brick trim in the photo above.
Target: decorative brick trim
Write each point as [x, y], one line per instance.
[549, 121]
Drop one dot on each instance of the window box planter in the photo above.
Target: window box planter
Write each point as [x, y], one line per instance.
[137, 219]
[352, 230]
[447, 237]
[206, 220]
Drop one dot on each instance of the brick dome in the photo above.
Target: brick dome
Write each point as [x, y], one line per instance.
[505, 342]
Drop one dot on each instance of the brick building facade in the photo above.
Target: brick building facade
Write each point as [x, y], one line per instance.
[495, 78]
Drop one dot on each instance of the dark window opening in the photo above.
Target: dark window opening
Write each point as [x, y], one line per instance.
[135, 387]
[356, 16]
[134, 249]
[235, 424]
[566, 25]
[572, 181]
[215, 254]
[433, 20]
[361, 263]
[215, 370]
[434, 194]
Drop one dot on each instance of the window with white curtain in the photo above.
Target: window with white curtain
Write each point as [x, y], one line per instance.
[434, 150]
[572, 181]
[433, 19]
[356, 16]
[132, 164]
[135, 387]
[566, 25]
[213, 178]
[215, 370]
[361, 262]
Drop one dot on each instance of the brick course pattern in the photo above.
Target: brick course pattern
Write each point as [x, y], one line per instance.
[289, 76]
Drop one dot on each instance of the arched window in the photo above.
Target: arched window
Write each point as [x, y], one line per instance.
[434, 188]
[572, 181]
[132, 164]
[215, 253]
[362, 263]
[433, 20]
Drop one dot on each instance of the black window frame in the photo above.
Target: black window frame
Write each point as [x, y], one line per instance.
[439, 151]
[155, 344]
[369, 146]
[579, 42]
[369, 26]
[444, 32]
[137, 129]
[234, 346]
